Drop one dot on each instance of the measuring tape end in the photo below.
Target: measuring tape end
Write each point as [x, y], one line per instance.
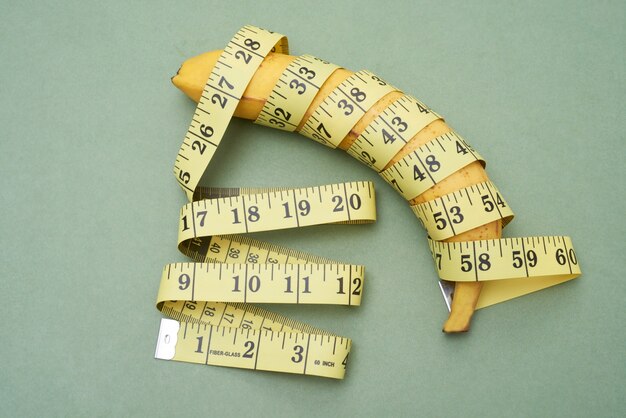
[168, 337]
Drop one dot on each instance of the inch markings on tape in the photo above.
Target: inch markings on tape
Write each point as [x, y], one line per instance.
[381, 140]
[222, 92]
[510, 267]
[272, 210]
[234, 250]
[255, 349]
[213, 324]
[293, 93]
[235, 315]
[421, 169]
[207, 299]
[463, 210]
[429, 164]
[344, 106]
[336, 284]
[197, 294]
[240, 249]
[506, 258]
[188, 338]
[182, 339]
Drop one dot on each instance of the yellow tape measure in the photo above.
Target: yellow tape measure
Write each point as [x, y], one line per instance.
[251, 210]
[245, 336]
[342, 109]
[248, 271]
[506, 258]
[421, 169]
[236, 250]
[510, 267]
[463, 210]
[280, 209]
[256, 349]
[429, 164]
[381, 140]
[296, 88]
[208, 328]
[241, 58]
[239, 249]
[211, 323]
[336, 284]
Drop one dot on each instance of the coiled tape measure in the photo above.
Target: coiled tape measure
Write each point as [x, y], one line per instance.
[208, 299]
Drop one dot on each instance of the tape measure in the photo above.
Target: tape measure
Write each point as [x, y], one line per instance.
[509, 267]
[262, 283]
[429, 164]
[421, 169]
[344, 106]
[295, 90]
[463, 210]
[256, 349]
[206, 330]
[241, 58]
[261, 278]
[235, 269]
[507, 258]
[381, 140]
[279, 209]
[208, 299]
[248, 336]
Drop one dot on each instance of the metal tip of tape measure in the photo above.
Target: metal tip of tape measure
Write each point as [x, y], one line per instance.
[168, 337]
[447, 290]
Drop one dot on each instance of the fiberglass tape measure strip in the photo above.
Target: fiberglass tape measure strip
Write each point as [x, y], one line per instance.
[210, 326]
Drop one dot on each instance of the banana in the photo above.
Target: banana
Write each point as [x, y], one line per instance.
[192, 76]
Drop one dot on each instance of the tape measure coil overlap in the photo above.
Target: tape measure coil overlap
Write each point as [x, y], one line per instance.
[294, 92]
[344, 106]
[393, 128]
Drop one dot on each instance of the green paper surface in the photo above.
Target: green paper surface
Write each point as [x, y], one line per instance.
[89, 207]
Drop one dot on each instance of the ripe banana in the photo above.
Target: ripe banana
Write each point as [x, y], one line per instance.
[192, 77]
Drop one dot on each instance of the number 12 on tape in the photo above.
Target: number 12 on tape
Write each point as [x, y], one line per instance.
[256, 349]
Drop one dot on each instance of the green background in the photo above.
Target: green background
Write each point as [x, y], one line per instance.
[90, 128]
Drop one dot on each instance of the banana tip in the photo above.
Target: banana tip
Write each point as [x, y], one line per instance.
[173, 78]
[454, 331]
